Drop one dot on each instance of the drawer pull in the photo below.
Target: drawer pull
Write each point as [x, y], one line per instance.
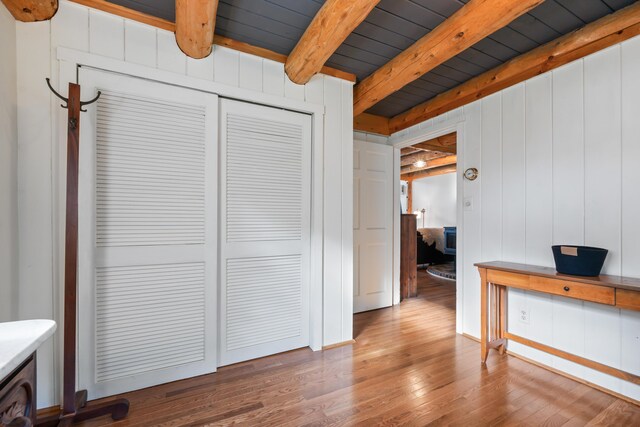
[567, 289]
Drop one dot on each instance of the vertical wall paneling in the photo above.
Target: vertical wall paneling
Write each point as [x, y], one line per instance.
[630, 55]
[250, 72]
[106, 34]
[200, 68]
[472, 237]
[334, 318]
[603, 196]
[170, 58]
[226, 65]
[34, 190]
[491, 177]
[273, 77]
[603, 154]
[313, 91]
[513, 180]
[137, 41]
[539, 201]
[568, 201]
[346, 99]
[292, 90]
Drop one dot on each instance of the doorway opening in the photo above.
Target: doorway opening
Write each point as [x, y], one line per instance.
[429, 220]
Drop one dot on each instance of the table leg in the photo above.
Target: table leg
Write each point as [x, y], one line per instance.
[502, 316]
[484, 321]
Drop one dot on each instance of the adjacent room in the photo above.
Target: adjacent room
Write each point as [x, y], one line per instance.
[319, 212]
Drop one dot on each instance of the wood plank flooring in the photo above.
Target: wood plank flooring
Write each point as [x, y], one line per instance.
[407, 367]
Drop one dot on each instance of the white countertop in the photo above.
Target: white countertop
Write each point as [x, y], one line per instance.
[19, 339]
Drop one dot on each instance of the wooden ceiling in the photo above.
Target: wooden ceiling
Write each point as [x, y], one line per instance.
[433, 157]
[413, 59]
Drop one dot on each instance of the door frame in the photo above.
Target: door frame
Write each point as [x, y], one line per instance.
[70, 60]
[414, 136]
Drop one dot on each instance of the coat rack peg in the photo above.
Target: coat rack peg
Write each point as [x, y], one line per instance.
[66, 100]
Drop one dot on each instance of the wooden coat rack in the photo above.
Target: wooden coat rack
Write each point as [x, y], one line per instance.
[74, 403]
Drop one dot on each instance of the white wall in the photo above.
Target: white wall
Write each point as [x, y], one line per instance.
[8, 172]
[39, 122]
[557, 157]
[436, 194]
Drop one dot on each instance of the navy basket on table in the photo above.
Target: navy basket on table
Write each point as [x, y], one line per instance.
[579, 260]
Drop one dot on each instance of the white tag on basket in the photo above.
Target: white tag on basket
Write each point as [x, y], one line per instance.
[569, 250]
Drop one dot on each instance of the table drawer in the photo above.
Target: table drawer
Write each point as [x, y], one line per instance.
[628, 299]
[513, 280]
[582, 291]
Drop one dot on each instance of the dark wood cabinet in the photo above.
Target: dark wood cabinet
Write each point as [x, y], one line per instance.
[18, 395]
[408, 257]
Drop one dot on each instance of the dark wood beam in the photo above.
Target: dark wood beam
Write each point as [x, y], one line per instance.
[195, 22]
[473, 22]
[333, 23]
[598, 35]
[31, 10]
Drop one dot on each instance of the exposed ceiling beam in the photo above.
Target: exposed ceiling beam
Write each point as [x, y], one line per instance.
[371, 123]
[195, 22]
[430, 164]
[406, 151]
[333, 23]
[427, 173]
[419, 155]
[163, 24]
[470, 24]
[31, 10]
[598, 35]
[445, 143]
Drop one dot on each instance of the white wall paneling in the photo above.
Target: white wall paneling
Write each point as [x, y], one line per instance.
[8, 170]
[557, 156]
[53, 48]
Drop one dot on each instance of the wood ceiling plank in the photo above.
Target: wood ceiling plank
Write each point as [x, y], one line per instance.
[420, 155]
[195, 23]
[598, 35]
[333, 23]
[445, 143]
[430, 164]
[429, 172]
[31, 10]
[470, 24]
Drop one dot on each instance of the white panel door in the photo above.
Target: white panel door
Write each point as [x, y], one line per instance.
[147, 234]
[373, 206]
[265, 189]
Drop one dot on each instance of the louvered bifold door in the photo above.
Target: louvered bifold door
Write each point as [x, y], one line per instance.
[147, 234]
[265, 160]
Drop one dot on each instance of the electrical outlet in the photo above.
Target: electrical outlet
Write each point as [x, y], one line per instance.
[524, 315]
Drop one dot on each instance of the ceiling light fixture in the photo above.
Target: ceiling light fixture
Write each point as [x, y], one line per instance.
[420, 164]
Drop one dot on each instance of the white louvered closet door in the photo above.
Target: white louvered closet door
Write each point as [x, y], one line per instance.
[147, 234]
[265, 159]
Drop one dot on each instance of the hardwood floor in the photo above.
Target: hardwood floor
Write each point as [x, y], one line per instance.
[407, 367]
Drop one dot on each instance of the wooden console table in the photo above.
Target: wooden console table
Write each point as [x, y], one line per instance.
[497, 277]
